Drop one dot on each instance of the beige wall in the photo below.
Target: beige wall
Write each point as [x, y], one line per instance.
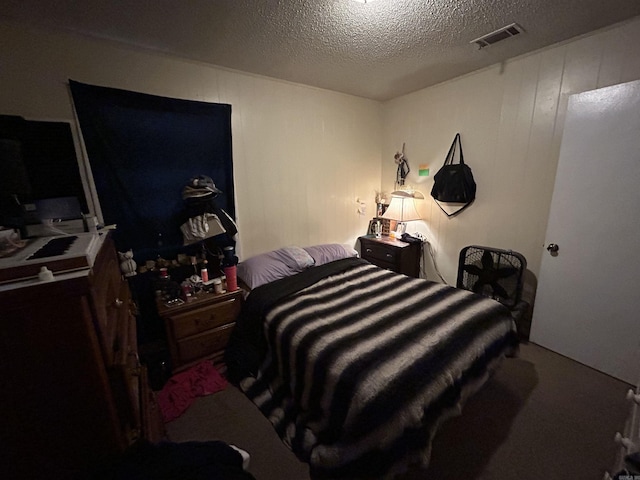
[510, 118]
[301, 155]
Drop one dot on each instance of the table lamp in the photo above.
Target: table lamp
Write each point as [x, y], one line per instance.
[402, 209]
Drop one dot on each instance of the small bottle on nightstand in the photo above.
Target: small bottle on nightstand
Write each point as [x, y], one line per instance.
[204, 273]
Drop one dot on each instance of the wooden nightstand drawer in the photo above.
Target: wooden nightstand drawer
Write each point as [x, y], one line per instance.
[391, 254]
[386, 265]
[200, 328]
[379, 251]
[205, 318]
[199, 346]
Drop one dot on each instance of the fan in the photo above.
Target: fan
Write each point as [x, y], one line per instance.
[492, 272]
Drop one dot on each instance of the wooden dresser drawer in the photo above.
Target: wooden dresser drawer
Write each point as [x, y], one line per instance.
[205, 318]
[152, 425]
[110, 297]
[125, 375]
[117, 313]
[201, 345]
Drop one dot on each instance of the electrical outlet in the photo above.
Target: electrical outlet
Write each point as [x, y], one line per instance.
[421, 236]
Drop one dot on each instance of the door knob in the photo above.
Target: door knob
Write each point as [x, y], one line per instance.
[553, 248]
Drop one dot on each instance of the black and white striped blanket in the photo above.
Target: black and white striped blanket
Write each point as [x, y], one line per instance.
[357, 366]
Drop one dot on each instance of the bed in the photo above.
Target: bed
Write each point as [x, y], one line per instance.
[356, 367]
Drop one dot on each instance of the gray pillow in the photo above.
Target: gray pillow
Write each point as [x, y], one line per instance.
[330, 252]
[270, 266]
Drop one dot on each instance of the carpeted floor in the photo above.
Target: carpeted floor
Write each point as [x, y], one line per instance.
[541, 416]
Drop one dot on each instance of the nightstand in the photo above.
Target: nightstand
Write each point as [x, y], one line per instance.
[392, 254]
[200, 328]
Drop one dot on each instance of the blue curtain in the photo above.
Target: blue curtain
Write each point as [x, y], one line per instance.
[143, 149]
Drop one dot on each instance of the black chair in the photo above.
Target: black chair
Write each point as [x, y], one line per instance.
[497, 274]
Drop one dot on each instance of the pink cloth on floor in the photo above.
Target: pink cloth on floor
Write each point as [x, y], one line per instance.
[182, 389]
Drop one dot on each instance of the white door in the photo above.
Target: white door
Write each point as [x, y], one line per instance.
[588, 301]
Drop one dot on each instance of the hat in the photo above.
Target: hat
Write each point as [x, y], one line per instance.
[200, 187]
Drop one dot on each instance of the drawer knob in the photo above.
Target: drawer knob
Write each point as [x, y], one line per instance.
[368, 250]
[389, 255]
[133, 435]
[136, 369]
[118, 303]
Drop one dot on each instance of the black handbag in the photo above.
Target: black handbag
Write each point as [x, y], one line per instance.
[454, 182]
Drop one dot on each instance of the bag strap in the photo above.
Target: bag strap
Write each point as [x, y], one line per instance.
[454, 213]
[452, 151]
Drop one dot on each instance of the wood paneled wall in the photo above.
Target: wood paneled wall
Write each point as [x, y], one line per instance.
[302, 155]
[510, 118]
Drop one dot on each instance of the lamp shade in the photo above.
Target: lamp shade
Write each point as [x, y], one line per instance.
[402, 208]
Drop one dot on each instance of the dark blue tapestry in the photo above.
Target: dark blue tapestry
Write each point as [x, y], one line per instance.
[143, 149]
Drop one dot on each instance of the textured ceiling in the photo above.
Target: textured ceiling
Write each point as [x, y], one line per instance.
[377, 50]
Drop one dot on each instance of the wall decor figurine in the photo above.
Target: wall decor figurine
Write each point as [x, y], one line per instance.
[127, 265]
[403, 167]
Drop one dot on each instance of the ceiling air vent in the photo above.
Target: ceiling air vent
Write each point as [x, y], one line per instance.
[499, 35]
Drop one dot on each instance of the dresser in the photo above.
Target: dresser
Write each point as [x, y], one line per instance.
[392, 254]
[200, 328]
[74, 393]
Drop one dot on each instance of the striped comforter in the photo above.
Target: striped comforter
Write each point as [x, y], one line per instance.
[356, 366]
